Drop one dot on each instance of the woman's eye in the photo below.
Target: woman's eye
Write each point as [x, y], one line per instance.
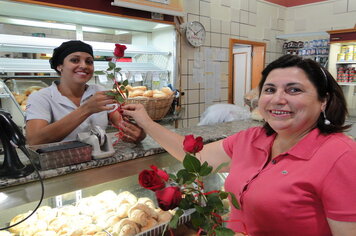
[294, 90]
[74, 60]
[268, 90]
[90, 62]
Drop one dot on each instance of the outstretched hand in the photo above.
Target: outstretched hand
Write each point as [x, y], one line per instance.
[132, 133]
[100, 101]
[138, 113]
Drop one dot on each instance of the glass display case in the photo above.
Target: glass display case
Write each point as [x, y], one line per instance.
[71, 189]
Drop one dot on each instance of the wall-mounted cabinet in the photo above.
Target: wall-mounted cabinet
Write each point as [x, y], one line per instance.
[342, 64]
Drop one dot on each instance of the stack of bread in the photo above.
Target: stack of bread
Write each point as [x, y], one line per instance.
[142, 91]
[21, 98]
[120, 214]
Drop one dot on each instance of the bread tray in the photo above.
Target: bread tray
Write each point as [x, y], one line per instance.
[158, 229]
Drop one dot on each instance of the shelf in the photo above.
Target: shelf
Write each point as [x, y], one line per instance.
[347, 84]
[28, 44]
[42, 66]
[346, 62]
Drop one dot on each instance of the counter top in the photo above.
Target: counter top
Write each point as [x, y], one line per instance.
[128, 151]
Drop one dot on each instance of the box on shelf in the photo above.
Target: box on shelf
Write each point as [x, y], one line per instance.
[59, 154]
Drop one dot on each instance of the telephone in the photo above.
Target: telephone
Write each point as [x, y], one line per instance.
[11, 137]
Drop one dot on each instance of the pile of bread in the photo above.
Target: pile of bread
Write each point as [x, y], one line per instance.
[120, 214]
[142, 91]
[22, 98]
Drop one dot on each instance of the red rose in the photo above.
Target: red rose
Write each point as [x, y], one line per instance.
[168, 198]
[119, 50]
[149, 179]
[161, 173]
[192, 145]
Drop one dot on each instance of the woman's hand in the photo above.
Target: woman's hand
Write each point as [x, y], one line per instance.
[132, 133]
[99, 102]
[138, 113]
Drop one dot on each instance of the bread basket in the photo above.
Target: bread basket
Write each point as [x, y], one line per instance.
[157, 108]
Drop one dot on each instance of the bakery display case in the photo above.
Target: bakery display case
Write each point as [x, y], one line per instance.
[89, 196]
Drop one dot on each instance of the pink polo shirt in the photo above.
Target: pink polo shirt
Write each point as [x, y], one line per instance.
[295, 193]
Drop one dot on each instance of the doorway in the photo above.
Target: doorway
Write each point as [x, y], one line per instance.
[246, 62]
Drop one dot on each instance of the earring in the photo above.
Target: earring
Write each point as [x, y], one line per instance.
[326, 121]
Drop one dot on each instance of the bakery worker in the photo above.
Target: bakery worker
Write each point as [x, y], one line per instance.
[71, 106]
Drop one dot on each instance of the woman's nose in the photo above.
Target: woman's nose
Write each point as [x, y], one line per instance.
[279, 97]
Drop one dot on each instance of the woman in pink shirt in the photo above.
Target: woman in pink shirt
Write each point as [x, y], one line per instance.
[295, 175]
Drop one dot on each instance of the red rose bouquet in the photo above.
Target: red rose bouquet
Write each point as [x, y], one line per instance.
[119, 90]
[185, 190]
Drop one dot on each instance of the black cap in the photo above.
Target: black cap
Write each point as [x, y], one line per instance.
[67, 48]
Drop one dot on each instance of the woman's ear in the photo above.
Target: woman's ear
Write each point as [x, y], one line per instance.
[59, 68]
[325, 103]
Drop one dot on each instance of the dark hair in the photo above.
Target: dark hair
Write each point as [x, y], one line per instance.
[67, 48]
[326, 86]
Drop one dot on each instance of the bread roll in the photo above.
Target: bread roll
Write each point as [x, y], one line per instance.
[20, 227]
[68, 210]
[107, 196]
[126, 197]
[46, 213]
[143, 88]
[34, 227]
[91, 229]
[136, 93]
[122, 209]
[45, 233]
[32, 89]
[5, 233]
[58, 223]
[164, 216]
[129, 87]
[146, 201]
[140, 213]
[160, 95]
[167, 90]
[148, 93]
[125, 227]
[150, 224]
[70, 232]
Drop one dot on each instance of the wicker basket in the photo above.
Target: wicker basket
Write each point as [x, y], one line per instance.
[157, 108]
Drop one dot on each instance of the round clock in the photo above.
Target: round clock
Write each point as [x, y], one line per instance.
[195, 33]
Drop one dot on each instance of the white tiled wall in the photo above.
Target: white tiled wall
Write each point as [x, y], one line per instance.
[253, 20]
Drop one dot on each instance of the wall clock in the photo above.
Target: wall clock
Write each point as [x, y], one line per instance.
[195, 33]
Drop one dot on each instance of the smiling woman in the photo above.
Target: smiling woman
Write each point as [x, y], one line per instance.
[70, 106]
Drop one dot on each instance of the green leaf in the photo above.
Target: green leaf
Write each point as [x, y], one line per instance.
[111, 65]
[191, 163]
[205, 169]
[214, 200]
[222, 165]
[174, 221]
[223, 195]
[185, 204]
[173, 177]
[99, 72]
[117, 69]
[185, 177]
[122, 87]
[125, 82]
[197, 219]
[199, 209]
[111, 76]
[234, 201]
[223, 231]
[111, 93]
[120, 99]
